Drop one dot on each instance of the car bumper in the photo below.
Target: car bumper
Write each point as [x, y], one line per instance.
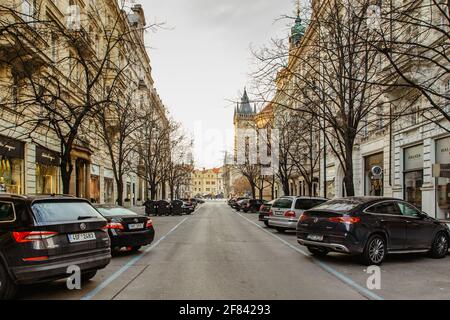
[333, 246]
[54, 270]
[263, 217]
[290, 224]
[133, 239]
[343, 243]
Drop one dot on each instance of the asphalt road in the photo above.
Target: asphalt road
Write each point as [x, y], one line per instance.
[218, 253]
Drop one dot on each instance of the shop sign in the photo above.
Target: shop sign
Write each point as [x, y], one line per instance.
[443, 151]
[12, 148]
[47, 157]
[414, 158]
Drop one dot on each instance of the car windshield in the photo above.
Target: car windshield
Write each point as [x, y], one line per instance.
[116, 212]
[283, 203]
[341, 205]
[64, 211]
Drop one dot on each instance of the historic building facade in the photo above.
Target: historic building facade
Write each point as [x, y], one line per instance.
[30, 164]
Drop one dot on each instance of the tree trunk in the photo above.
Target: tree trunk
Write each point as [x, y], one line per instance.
[153, 192]
[66, 173]
[286, 190]
[119, 192]
[348, 172]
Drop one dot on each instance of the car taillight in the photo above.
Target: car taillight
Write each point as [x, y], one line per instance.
[30, 236]
[261, 208]
[115, 226]
[270, 213]
[346, 220]
[303, 217]
[149, 224]
[35, 259]
[290, 214]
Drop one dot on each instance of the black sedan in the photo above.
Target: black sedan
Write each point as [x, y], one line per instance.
[372, 227]
[126, 228]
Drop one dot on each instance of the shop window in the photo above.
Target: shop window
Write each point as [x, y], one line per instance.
[413, 175]
[11, 175]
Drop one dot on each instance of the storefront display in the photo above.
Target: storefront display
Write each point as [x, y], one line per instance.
[47, 171]
[413, 175]
[443, 178]
[373, 175]
[95, 184]
[11, 165]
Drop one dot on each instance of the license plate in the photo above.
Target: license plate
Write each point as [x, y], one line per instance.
[314, 237]
[81, 237]
[136, 226]
[278, 213]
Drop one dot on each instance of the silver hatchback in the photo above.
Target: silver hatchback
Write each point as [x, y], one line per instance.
[286, 211]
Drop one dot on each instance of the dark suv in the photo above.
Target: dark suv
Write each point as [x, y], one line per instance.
[371, 227]
[41, 236]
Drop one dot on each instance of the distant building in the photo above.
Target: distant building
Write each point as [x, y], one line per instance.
[207, 182]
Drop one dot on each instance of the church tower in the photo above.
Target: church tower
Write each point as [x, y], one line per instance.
[244, 118]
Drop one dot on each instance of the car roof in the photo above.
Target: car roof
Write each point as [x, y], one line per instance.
[38, 197]
[303, 197]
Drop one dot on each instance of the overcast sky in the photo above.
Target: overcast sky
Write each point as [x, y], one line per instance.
[204, 60]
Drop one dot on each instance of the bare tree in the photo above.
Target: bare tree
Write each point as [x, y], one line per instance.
[330, 76]
[59, 71]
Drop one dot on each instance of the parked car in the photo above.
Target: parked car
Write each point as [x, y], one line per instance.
[190, 201]
[286, 211]
[188, 207]
[252, 205]
[236, 203]
[264, 212]
[162, 208]
[151, 208]
[240, 204]
[200, 201]
[372, 227]
[176, 208]
[126, 228]
[41, 236]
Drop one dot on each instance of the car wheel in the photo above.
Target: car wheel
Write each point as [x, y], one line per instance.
[440, 246]
[136, 248]
[86, 276]
[267, 223]
[8, 289]
[375, 251]
[318, 252]
[281, 230]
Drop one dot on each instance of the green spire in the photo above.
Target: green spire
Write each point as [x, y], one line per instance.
[298, 30]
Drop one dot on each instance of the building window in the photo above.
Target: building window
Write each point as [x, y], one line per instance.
[95, 184]
[413, 175]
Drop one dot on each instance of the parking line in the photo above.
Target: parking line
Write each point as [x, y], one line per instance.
[129, 264]
[365, 292]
